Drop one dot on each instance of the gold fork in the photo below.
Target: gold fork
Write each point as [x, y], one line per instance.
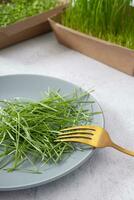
[94, 136]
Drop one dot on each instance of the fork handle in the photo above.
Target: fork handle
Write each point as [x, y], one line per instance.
[123, 150]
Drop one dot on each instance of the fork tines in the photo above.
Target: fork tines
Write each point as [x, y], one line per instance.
[76, 133]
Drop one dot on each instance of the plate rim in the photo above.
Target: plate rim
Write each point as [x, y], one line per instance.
[37, 184]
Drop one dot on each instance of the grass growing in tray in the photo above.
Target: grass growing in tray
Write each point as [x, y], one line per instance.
[15, 10]
[28, 129]
[111, 20]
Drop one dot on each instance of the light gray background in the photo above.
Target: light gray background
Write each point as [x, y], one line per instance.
[109, 174]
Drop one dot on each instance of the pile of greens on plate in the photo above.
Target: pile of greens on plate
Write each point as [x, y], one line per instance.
[28, 129]
[12, 11]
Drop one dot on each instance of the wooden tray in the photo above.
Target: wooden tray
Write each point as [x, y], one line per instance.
[108, 53]
[28, 28]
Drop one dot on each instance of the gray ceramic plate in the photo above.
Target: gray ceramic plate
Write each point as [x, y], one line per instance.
[32, 86]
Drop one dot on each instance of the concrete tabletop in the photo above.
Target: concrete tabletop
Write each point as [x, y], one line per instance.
[109, 174]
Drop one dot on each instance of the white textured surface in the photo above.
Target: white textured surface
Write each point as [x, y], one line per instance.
[109, 174]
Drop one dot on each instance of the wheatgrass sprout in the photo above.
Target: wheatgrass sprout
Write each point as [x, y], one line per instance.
[28, 129]
[110, 20]
[15, 10]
